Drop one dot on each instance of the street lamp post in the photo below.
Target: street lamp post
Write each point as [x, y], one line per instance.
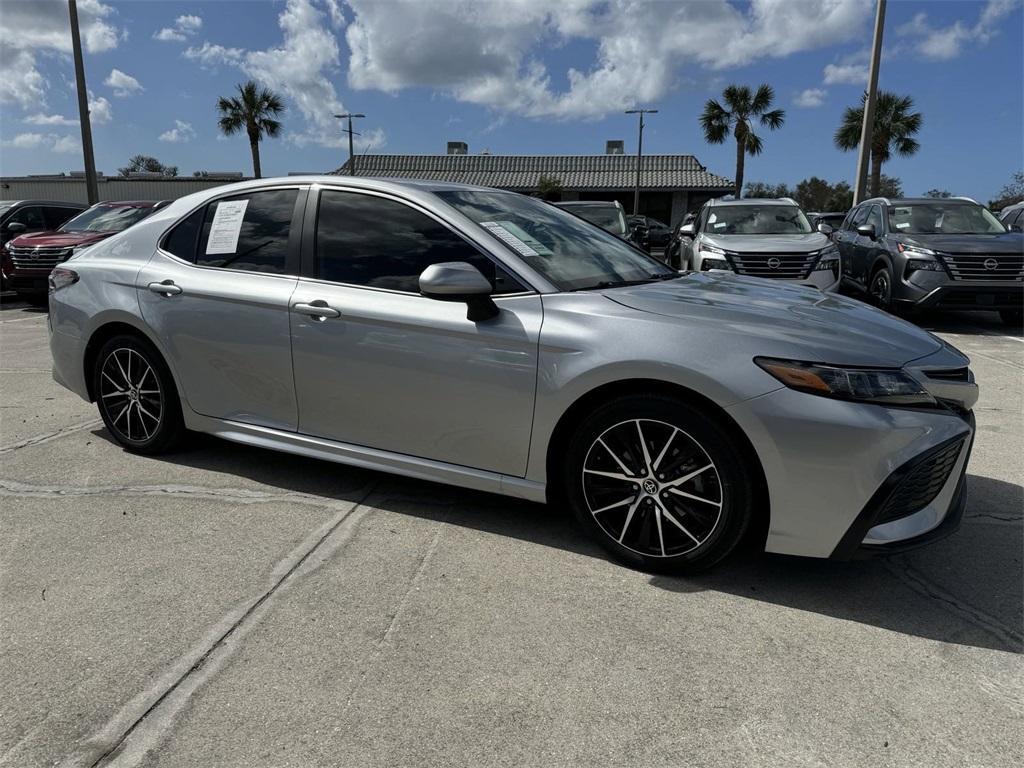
[639, 153]
[351, 153]
[91, 188]
[868, 127]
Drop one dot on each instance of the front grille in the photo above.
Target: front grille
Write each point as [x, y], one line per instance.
[922, 485]
[999, 267]
[949, 374]
[785, 266]
[38, 258]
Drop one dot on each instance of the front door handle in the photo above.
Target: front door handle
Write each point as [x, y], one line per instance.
[165, 288]
[317, 309]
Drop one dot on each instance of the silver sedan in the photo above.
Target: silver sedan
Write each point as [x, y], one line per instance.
[489, 340]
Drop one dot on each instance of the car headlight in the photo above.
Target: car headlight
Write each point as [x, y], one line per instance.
[712, 258]
[914, 251]
[829, 260]
[887, 386]
[928, 265]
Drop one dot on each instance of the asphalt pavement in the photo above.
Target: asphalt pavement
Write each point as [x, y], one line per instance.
[228, 606]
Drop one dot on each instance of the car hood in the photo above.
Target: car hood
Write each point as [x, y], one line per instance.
[58, 239]
[1006, 242]
[811, 241]
[794, 321]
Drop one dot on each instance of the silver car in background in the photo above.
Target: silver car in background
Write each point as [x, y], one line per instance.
[762, 238]
[489, 340]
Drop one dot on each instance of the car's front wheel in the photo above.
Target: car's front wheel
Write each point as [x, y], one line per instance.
[136, 396]
[660, 485]
[881, 287]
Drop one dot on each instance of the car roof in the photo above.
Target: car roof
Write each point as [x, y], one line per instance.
[921, 200]
[754, 201]
[61, 203]
[133, 203]
[590, 202]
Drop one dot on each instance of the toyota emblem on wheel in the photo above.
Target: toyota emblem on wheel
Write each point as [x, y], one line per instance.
[990, 264]
[774, 262]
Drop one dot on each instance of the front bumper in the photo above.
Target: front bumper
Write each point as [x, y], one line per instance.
[935, 290]
[825, 460]
[28, 281]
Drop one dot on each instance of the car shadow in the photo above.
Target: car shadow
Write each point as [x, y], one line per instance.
[967, 589]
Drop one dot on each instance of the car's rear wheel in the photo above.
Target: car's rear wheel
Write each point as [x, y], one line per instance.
[1012, 317]
[136, 396]
[880, 287]
[660, 485]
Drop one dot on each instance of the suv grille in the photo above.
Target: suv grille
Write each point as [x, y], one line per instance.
[38, 258]
[785, 266]
[1001, 266]
[921, 486]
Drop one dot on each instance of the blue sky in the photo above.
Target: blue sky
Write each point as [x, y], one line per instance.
[511, 77]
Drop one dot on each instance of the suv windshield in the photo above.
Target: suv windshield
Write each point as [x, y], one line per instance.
[607, 217]
[106, 218]
[943, 219]
[757, 220]
[570, 253]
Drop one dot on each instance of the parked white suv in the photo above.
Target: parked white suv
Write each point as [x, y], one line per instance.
[762, 238]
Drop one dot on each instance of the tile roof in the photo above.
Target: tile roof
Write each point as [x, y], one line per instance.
[521, 172]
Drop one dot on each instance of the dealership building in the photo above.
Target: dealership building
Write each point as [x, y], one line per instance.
[670, 185]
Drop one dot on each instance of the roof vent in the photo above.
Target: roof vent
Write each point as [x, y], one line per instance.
[458, 148]
[615, 147]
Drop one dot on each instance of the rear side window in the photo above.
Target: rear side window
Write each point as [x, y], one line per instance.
[379, 243]
[246, 232]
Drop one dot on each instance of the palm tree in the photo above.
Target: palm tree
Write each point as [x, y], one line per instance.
[253, 110]
[894, 129]
[740, 112]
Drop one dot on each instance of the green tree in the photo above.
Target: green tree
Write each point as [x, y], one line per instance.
[841, 198]
[549, 188]
[813, 194]
[742, 111]
[254, 111]
[895, 126]
[1010, 194]
[939, 193]
[889, 186]
[760, 190]
[147, 164]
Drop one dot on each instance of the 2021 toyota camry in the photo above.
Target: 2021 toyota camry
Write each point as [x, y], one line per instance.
[485, 339]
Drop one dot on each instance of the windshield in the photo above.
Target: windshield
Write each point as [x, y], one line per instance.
[570, 253]
[943, 219]
[757, 220]
[607, 217]
[106, 218]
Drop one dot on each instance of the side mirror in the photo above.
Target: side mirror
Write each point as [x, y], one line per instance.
[866, 230]
[825, 229]
[15, 227]
[459, 281]
[686, 230]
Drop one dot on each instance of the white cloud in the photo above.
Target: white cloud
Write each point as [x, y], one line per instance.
[49, 141]
[181, 132]
[489, 53]
[209, 55]
[99, 110]
[942, 43]
[123, 84]
[184, 27]
[812, 97]
[851, 70]
[43, 119]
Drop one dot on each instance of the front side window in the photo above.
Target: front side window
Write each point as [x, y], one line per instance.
[757, 220]
[56, 216]
[875, 219]
[380, 243]
[570, 253]
[860, 216]
[107, 218]
[30, 216]
[941, 218]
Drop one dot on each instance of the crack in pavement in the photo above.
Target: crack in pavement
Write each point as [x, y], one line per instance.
[902, 570]
[143, 723]
[46, 437]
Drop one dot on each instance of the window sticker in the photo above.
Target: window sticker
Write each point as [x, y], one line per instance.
[902, 224]
[227, 223]
[517, 238]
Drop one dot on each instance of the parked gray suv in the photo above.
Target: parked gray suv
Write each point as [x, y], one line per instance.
[762, 238]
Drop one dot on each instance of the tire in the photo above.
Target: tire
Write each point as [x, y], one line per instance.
[1012, 317]
[136, 396]
[880, 287]
[683, 517]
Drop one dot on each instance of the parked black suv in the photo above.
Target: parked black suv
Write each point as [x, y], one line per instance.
[945, 253]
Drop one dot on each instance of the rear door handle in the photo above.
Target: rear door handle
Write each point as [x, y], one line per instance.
[317, 309]
[165, 288]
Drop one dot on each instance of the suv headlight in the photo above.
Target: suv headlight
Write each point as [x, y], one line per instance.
[914, 251]
[829, 260]
[712, 258]
[885, 386]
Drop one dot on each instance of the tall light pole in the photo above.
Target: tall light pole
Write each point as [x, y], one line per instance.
[868, 127]
[83, 107]
[639, 153]
[351, 153]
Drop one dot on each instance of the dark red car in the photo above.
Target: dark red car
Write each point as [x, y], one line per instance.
[28, 259]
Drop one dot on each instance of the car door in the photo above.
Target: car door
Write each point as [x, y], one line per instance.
[868, 247]
[217, 296]
[31, 216]
[850, 245]
[378, 365]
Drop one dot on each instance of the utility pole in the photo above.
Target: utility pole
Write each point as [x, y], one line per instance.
[639, 153]
[868, 128]
[349, 131]
[83, 107]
